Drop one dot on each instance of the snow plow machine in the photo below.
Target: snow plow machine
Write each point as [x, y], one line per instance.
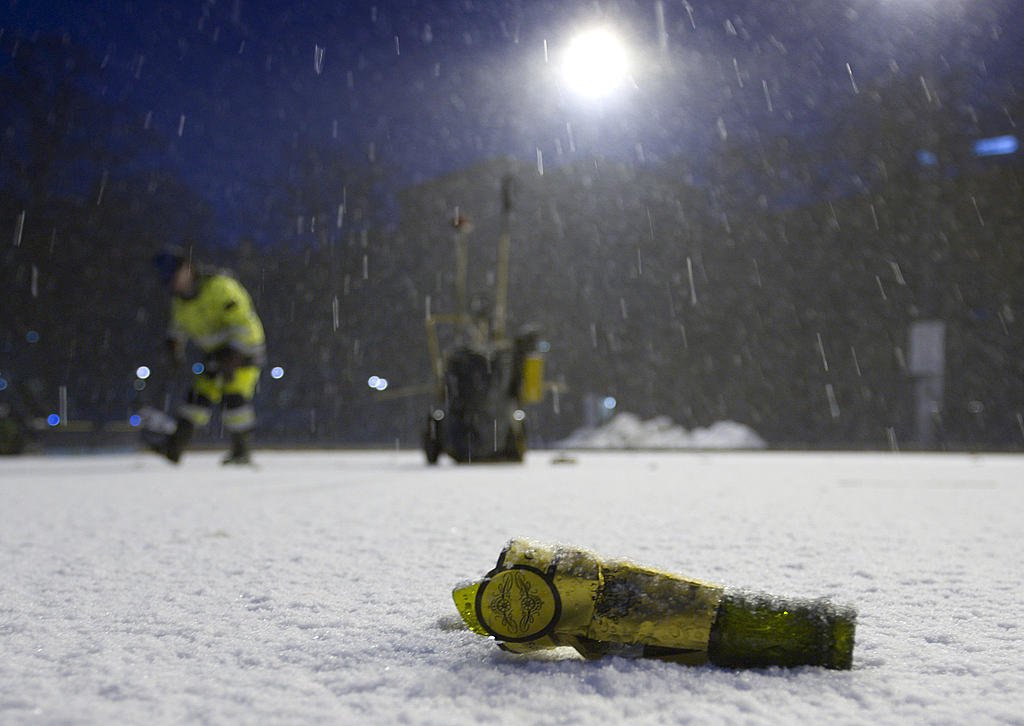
[483, 378]
[486, 378]
[483, 387]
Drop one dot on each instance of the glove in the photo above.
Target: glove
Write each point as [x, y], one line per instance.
[542, 596]
[224, 361]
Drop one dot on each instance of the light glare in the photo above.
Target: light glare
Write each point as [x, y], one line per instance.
[595, 63]
[996, 145]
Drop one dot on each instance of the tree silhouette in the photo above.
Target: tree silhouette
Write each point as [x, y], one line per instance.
[88, 199]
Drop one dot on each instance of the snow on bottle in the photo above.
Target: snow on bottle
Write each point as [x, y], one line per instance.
[542, 596]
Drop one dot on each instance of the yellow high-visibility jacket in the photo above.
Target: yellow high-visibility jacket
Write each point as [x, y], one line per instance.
[219, 315]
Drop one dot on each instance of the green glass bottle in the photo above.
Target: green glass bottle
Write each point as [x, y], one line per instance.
[542, 596]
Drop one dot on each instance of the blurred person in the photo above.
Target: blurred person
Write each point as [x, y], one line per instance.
[212, 310]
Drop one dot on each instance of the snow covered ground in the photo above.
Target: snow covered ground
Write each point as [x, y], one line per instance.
[316, 588]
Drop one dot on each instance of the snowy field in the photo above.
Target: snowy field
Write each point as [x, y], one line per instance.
[316, 588]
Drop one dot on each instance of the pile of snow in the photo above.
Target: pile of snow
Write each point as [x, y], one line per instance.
[628, 431]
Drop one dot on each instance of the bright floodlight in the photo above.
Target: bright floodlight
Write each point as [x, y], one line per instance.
[595, 63]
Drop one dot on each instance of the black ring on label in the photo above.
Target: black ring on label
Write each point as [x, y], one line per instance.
[557, 600]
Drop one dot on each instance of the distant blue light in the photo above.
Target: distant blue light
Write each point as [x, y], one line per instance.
[996, 145]
[32, 336]
[142, 372]
[135, 419]
[3, 384]
[543, 346]
[610, 403]
[198, 368]
[927, 158]
[277, 372]
[53, 419]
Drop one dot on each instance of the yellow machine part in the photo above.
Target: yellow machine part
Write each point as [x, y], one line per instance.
[531, 389]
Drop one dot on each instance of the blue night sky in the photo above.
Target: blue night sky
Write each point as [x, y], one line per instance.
[424, 88]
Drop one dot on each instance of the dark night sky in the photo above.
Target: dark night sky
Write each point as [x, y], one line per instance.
[428, 87]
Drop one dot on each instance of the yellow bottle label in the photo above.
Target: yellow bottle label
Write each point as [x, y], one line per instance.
[639, 605]
[544, 596]
[518, 604]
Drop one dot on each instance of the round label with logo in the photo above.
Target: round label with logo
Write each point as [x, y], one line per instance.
[518, 604]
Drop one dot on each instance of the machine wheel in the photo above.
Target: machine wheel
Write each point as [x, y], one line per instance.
[12, 436]
[515, 446]
[431, 442]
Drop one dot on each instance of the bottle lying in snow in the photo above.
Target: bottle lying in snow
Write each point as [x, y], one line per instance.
[546, 596]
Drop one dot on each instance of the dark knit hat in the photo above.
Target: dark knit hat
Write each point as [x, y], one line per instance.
[168, 261]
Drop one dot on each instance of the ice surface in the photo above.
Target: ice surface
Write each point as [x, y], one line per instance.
[316, 589]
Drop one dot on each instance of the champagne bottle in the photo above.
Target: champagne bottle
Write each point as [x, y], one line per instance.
[542, 596]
